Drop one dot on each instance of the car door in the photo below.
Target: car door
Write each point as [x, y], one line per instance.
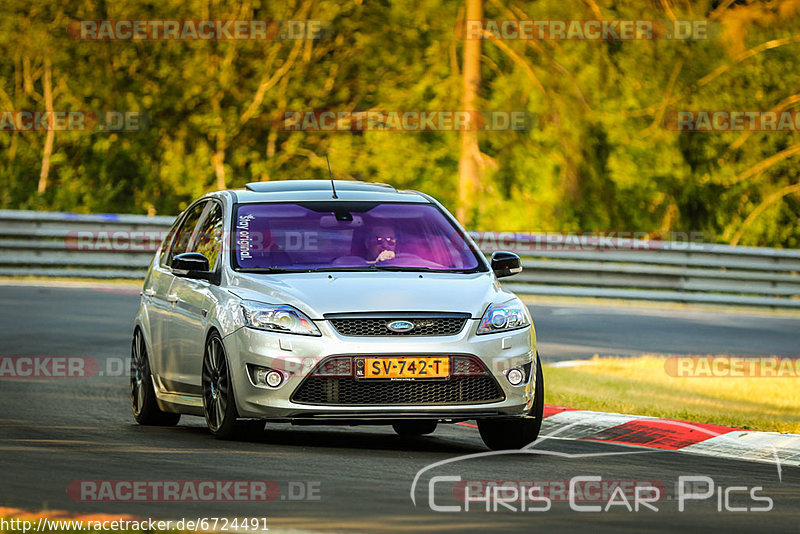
[154, 298]
[187, 326]
[164, 358]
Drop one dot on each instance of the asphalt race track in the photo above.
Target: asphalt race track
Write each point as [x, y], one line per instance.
[56, 431]
[576, 332]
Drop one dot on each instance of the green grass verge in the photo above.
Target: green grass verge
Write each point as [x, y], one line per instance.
[641, 386]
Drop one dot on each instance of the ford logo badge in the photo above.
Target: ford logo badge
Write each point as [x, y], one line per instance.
[400, 326]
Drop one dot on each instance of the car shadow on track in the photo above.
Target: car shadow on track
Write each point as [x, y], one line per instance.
[329, 437]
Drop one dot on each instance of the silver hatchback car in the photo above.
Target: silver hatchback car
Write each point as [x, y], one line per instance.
[333, 302]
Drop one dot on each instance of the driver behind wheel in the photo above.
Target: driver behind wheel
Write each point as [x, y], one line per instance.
[380, 244]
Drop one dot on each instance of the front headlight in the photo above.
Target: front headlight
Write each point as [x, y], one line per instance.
[503, 317]
[278, 319]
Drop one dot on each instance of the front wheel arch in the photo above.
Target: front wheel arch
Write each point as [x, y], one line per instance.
[516, 432]
[143, 396]
[222, 418]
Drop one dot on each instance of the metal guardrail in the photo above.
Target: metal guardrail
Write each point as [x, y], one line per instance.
[36, 243]
[566, 265]
[121, 246]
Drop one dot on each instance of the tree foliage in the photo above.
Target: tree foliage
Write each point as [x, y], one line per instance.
[598, 156]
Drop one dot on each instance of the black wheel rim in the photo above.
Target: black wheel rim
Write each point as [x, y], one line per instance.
[138, 372]
[215, 384]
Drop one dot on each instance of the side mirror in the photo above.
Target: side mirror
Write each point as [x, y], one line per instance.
[192, 265]
[505, 264]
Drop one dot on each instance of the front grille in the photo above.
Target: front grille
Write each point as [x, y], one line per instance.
[349, 391]
[378, 326]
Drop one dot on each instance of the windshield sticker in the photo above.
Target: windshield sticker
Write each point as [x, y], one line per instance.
[243, 239]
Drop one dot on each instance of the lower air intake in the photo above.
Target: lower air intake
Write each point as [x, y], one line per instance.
[347, 391]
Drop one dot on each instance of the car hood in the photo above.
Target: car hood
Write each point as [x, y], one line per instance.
[317, 294]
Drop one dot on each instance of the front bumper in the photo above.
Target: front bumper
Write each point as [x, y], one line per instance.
[296, 356]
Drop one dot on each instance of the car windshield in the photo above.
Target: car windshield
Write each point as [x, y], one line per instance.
[342, 236]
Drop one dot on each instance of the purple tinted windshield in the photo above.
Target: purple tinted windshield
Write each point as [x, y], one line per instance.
[348, 235]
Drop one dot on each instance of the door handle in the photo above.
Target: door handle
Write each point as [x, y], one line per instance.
[173, 298]
[149, 292]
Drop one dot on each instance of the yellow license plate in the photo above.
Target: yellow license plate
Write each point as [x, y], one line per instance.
[423, 367]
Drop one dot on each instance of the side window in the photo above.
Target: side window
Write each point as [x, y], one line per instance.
[167, 243]
[184, 234]
[208, 238]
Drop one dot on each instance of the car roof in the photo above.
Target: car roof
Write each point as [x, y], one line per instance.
[310, 190]
[316, 185]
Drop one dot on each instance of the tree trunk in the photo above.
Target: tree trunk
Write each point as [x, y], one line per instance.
[48, 142]
[468, 167]
[218, 160]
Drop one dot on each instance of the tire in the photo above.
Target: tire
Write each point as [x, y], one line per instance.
[143, 395]
[414, 428]
[515, 433]
[219, 401]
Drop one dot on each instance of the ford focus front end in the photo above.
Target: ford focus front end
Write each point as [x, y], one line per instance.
[281, 303]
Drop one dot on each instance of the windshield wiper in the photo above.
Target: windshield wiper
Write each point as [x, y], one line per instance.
[375, 267]
[278, 270]
[359, 269]
[423, 269]
[362, 269]
[272, 270]
[399, 268]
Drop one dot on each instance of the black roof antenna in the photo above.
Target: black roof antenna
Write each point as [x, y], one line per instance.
[333, 187]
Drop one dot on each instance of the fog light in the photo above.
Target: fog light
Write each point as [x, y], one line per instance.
[264, 376]
[515, 377]
[274, 379]
[260, 376]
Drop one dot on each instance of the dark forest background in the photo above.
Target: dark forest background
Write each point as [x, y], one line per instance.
[598, 156]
